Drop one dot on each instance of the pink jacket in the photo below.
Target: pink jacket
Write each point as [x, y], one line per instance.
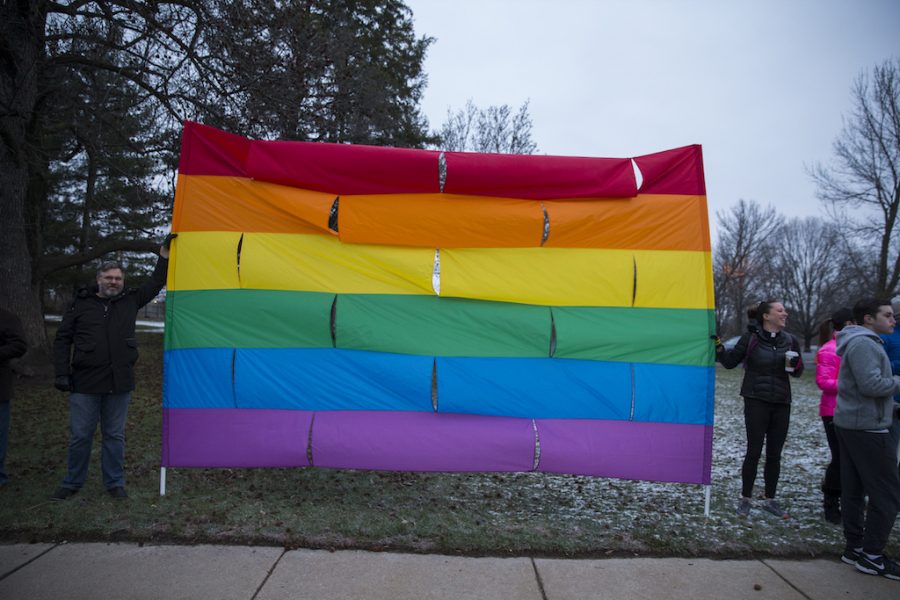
[828, 364]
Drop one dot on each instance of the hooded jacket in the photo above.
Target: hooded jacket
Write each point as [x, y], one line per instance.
[865, 384]
[762, 354]
[101, 330]
[828, 365]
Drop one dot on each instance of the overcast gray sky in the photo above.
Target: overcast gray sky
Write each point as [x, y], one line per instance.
[761, 84]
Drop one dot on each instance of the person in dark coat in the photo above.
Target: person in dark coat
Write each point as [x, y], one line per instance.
[763, 350]
[94, 353]
[12, 345]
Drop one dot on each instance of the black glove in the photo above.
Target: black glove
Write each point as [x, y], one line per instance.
[168, 241]
[62, 383]
[795, 360]
[718, 342]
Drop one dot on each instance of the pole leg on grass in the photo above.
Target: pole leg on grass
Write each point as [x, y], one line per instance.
[707, 493]
[162, 481]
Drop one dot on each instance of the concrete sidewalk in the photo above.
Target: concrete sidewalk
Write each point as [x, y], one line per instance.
[129, 571]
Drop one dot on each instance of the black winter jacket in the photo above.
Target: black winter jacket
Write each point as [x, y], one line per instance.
[102, 333]
[764, 375]
[12, 345]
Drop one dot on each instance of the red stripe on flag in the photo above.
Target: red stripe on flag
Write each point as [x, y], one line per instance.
[344, 168]
[209, 151]
[539, 177]
[676, 171]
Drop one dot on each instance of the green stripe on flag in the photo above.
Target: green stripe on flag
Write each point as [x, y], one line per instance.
[242, 318]
[648, 335]
[430, 325]
[435, 326]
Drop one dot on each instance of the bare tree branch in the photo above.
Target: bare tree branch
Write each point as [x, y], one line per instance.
[493, 129]
[865, 174]
[50, 264]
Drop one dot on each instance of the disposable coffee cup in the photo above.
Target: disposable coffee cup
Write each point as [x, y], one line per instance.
[788, 356]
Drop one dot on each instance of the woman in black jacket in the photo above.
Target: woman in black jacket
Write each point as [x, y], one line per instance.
[766, 389]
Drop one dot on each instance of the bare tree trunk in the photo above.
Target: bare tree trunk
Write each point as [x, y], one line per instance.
[20, 24]
[17, 290]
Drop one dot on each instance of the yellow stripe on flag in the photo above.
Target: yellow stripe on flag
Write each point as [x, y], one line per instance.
[316, 263]
[204, 260]
[543, 276]
[578, 276]
[674, 280]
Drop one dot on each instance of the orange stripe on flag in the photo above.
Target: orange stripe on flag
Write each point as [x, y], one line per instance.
[646, 222]
[441, 221]
[222, 203]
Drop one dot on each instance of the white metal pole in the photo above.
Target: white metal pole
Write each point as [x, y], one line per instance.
[707, 492]
[162, 481]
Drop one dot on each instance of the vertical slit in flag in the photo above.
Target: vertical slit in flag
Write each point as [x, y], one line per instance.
[239, 245]
[546, 231]
[631, 413]
[638, 176]
[634, 282]
[334, 322]
[333, 215]
[436, 272]
[434, 388]
[309, 441]
[552, 334]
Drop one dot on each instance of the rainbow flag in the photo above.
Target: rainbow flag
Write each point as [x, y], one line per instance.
[380, 308]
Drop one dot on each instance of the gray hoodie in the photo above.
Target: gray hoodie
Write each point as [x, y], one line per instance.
[865, 384]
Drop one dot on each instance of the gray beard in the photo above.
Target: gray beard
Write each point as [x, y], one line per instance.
[106, 292]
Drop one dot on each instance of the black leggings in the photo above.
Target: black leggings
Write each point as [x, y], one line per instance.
[766, 422]
[832, 483]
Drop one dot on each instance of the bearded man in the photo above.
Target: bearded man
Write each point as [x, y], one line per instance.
[94, 353]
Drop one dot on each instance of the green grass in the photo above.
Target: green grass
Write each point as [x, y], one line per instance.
[458, 513]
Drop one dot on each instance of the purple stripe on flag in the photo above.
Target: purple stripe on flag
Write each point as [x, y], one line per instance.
[626, 449]
[231, 437]
[411, 441]
[415, 441]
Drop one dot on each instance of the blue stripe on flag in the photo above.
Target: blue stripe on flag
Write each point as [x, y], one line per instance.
[540, 388]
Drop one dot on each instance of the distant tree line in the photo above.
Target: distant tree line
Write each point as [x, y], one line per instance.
[818, 264]
[804, 263]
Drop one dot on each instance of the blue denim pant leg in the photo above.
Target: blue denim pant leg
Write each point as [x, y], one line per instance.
[4, 439]
[85, 411]
[113, 414]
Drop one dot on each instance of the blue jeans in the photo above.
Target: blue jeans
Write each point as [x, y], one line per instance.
[84, 412]
[4, 439]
